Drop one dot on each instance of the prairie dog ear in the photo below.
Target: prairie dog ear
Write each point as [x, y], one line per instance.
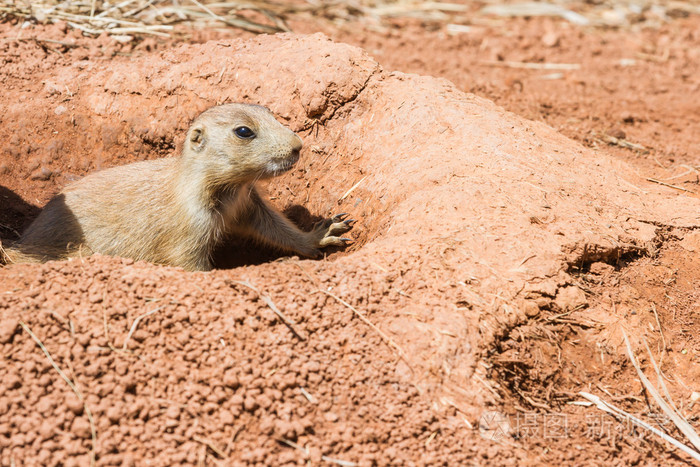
[198, 139]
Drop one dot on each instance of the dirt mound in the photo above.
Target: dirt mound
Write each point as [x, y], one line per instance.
[471, 221]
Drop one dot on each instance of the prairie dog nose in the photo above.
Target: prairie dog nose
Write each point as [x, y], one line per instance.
[296, 143]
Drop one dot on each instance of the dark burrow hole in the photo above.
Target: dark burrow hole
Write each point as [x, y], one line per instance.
[619, 258]
[15, 215]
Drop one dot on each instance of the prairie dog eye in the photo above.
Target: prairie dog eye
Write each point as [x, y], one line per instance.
[244, 132]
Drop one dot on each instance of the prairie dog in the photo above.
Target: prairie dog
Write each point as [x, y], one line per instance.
[174, 211]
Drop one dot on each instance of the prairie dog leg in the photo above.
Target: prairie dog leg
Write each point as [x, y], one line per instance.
[270, 226]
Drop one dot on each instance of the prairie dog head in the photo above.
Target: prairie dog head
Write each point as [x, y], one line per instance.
[240, 143]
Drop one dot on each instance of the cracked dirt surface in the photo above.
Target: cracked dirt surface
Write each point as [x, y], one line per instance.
[498, 256]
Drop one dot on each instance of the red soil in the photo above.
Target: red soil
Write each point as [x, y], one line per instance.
[499, 260]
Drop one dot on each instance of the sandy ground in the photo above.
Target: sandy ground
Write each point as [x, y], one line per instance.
[498, 261]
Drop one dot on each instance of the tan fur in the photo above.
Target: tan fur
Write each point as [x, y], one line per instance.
[174, 211]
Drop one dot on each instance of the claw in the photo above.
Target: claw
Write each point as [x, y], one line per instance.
[339, 228]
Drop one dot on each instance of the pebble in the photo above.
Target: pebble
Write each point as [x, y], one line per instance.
[12, 381]
[226, 417]
[114, 414]
[173, 412]
[75, 405]
[600, 268]
[250, 404]
[81, 428]
[231, 380]
[531, 309]
[46, 430]
[617, 133]
[7, 330]
[41, 173]
[550, 39]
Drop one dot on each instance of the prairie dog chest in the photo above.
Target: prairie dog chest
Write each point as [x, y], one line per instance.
[233, 207]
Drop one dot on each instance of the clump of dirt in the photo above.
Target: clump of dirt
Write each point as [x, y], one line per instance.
[473, 222]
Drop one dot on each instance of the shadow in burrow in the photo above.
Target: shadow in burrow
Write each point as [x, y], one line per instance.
[15, 215]
[236, 251]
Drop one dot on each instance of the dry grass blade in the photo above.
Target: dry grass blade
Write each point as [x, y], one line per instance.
[116, 7]
[307, 395]
[660, 379]
[305, 450]
[611, 409]
[661, 331]
[293, 445]
[623, 143]
[4, 259]
[51, 360]
[242, 23]
[211, 446]
[369, 323]
[73, 387]
[532, 65]
[675, 187]
[136, 323]
[264, 297]
[143, 17]
[534, 9]
[680, 422]
[690, 170]
[427, 10]
[347, 193]
[338, 461]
